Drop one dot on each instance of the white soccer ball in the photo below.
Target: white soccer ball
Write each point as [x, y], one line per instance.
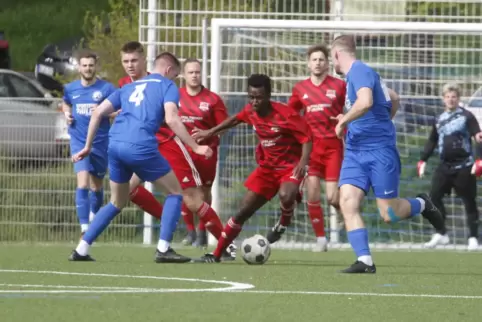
[255, 250]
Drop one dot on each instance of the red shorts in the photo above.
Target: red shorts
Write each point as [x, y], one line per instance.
[181, 162]
[266, 182]
[206, 167]
[326, 158]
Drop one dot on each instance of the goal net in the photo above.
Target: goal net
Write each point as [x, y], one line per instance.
[415, 59]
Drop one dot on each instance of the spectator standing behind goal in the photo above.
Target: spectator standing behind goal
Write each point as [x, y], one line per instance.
[451, 133]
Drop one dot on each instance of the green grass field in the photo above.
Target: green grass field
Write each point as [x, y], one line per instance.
[37, 283]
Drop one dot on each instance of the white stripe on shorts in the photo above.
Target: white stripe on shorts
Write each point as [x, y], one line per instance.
[195, 173]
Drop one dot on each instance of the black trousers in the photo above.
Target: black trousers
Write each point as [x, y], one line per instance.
[446, 178]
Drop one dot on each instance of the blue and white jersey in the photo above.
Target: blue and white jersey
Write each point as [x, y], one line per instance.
[83, 99]
[375, 128]
[142, 103]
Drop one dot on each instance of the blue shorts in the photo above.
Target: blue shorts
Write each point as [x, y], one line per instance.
[95, 163]
[125, 159]
[377, 169]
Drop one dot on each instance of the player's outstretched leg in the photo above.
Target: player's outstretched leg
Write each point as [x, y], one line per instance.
[119, 199]
[202, 236]
[143, 198]
[170, 217]
[250, 204]
[351, 199]
[287, 196]
[194, 201]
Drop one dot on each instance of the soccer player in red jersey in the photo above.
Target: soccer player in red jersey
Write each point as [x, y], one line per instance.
[134, 63]
[286, 145]
[199, 108]
[321, 98]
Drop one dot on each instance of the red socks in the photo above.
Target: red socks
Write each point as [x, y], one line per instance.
[230, 232]
[210, 220]
[188, 218]
[286, 215]
[317, 221]
[146, 201]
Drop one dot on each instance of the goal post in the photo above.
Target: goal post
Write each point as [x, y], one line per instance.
[414, 58]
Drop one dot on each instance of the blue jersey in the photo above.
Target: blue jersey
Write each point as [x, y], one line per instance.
[375, 128]
[83, 99]
[142, 103]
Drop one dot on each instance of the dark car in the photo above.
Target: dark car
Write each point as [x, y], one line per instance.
[58, 61]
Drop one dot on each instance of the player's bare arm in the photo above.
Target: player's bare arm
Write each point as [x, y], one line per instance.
[67, 109]
[299, 170]
[176, 125]
[230, 122]
[363, 103]
[104, 109]
[395, 99]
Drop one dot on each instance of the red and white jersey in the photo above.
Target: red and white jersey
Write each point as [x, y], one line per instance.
[319, 104]
[204, 111]
[281, 135]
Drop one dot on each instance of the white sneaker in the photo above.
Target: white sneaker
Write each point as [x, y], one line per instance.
[91, 216]
[321, 245]
[437, 239]
[473, 244]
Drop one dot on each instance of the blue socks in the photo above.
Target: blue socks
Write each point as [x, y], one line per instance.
[358, 239]
[101, 221]
[96, 199]
[82, 205]
[415, 206]
[170, 217]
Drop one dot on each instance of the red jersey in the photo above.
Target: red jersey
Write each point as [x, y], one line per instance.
[281, 135]
[126, 80]
[204, 111]
[319, 103]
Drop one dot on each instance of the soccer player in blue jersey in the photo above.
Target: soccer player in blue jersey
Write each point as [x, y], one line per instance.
[81, 97]
[133, 149]
[371, 157]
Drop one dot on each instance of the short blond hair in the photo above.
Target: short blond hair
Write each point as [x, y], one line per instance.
[345, 43]
[451, 88]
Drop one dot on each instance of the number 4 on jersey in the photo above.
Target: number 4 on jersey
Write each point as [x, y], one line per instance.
[138, 95]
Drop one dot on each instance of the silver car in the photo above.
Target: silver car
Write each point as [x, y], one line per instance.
[31, 124]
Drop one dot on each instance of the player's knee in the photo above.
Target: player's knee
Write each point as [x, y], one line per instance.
[287, 198]
[119, 204]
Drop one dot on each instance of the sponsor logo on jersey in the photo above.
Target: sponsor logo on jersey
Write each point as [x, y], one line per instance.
[203, 106]
[97, 96]
[331, 93]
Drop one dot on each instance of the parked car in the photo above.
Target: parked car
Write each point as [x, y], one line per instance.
[31, 124]
[57, 60]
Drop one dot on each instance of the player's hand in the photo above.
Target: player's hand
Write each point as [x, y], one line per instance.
[204, 150]
[421, 168]
[478, 137]
[81, 155]
[69, 118]
[477, 168]
[200, 135]
[340, 130]
[299, 171]
[336, 118]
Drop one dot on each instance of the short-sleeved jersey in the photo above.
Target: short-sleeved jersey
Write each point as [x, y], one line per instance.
[142, 103]
[319, 103]
[452, 132]
[203, 111]
[126, 80]
[281, 134]
[83, 99]
[375, 128]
